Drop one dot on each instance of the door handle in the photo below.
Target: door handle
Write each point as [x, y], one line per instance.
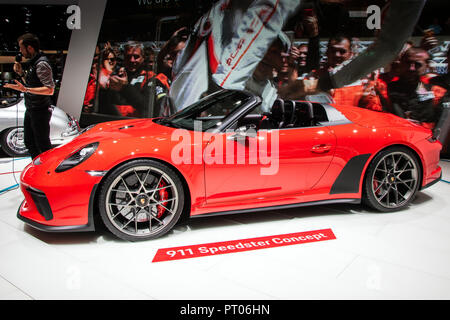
[321, 148]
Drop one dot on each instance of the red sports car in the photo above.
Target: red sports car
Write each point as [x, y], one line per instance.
[224, 154]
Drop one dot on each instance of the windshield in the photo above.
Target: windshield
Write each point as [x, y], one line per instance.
[209, 112]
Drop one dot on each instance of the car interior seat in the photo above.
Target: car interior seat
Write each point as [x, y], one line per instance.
[275, 118]
[304, 115]
[290, 115]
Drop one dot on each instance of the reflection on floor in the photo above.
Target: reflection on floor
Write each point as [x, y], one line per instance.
[402, 255]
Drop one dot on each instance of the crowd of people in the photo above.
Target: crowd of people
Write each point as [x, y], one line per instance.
[125, 78]
[130, 79]
[408, 87]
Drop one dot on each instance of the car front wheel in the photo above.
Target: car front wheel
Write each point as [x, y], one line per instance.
[12, 142]
[392, 179]
[141, 200]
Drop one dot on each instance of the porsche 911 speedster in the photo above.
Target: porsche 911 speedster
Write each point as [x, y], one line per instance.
[224, 154]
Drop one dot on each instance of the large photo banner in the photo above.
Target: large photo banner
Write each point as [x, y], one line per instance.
[345, 52]
[154, 58]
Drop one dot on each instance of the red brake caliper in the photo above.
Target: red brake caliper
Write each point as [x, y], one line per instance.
[375, 186]
[163, 195]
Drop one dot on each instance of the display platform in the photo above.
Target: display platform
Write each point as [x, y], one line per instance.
[401, 255]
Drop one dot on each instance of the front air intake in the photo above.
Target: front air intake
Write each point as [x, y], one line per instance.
[41, 202]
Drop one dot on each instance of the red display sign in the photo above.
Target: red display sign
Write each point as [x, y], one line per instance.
[211, 249]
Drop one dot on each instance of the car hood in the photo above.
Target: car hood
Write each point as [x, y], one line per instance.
[120, 125]
[122, 132]
[124, 129]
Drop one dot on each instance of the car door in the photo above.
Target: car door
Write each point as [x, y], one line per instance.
[271, 163]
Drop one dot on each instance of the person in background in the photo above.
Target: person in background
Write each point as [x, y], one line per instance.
[360, 93]
[413, 94]
[306, 57]
[149, 58]
[38, 86]
[436, 26]
[170, 51]
[133, 83]
[442, 128]
[89, 96]
[339, 50]
[109, 62]
[262, 81]
[399, 19]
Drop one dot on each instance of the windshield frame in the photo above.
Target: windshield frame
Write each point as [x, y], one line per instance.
[206, 102]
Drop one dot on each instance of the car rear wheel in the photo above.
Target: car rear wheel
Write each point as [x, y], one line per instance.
[141, 200]
[12, 141]
[392, 179]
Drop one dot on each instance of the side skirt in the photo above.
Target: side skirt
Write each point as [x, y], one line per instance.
[286, 206]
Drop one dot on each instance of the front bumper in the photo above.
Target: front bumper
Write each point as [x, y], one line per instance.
[39, 226]
[58, 202]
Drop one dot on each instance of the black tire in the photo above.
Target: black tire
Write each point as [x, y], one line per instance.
[392, 179]
[12, 142]
[141, 200]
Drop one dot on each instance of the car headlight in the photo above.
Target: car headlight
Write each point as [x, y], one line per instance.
[77, 157]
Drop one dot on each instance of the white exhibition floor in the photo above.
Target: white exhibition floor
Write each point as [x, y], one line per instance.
[402, 255]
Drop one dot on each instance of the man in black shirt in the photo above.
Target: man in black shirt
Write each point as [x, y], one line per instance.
[38, 87]
[411, 94]
[134, 83]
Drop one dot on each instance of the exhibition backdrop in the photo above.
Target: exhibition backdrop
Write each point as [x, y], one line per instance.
[90, 45]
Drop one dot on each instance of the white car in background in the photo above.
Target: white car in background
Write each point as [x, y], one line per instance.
[63, 127]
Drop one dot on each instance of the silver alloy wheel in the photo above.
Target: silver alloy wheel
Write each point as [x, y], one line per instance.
[134, 201]
[394, 180]
[15, 141]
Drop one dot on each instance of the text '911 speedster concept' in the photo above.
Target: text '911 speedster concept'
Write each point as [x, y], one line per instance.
[224, 154]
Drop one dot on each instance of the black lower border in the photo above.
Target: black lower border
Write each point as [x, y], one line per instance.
[238, 309]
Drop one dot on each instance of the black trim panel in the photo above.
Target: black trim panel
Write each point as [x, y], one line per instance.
[92, 204]
[432, 182]
[41, 202]
[348, 179]
[286, 206]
